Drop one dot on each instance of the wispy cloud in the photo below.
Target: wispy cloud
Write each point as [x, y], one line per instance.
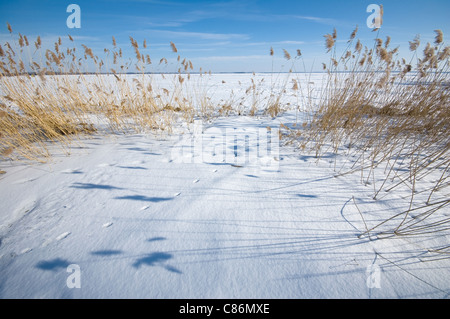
[287, 42]
[166, 24]
[156, 2]
[200, 35]
[233, 58]
[321, 20]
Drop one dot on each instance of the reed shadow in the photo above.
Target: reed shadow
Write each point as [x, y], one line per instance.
[107, 252]
[94, 186]
[144, 198]
[133, 167]
[156, 259]
[53, 264]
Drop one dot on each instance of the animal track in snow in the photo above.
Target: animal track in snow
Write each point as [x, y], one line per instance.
[48, 241]
[23, 181]
[26, 250]
[24, 208]
[63, 235]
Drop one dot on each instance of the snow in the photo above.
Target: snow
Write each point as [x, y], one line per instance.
[147, 216]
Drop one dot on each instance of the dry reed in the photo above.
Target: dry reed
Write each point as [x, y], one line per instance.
[392, 116]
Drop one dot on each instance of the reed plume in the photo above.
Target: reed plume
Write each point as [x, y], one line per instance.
[439, 37]
[174, 48]
[329, 42]
[287, 56]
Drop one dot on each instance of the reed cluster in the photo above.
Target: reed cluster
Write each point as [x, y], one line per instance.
[60, 94]
[390, 117]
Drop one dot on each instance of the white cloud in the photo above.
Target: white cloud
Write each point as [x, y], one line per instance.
[165, 24]
[233, 58]
[327, 21]
[266, 43]
[201, 35]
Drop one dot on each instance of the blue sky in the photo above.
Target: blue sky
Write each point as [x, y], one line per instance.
[228, 35]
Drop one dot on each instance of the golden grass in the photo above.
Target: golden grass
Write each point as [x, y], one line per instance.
[49, 95]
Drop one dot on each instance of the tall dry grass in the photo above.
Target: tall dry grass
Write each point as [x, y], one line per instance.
[391, 118]
[60, 94]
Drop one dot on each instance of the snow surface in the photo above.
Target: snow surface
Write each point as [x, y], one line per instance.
[143, 217]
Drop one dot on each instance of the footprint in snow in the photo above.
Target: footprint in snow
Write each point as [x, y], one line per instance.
[26, 250]
[63, 235]
[23, 181]
[48, 241]
[24, 208]
[106, 225]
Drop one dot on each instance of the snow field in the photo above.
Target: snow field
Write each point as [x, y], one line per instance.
[144, 217]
